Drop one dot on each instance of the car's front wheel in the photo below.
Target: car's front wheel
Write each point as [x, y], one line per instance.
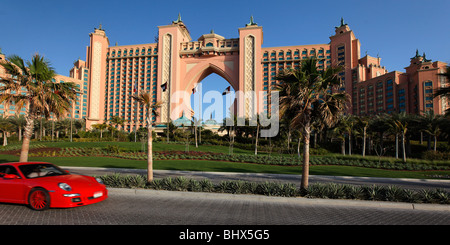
[39, 199]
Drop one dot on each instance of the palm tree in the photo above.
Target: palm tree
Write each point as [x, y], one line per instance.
[431, 123]
[339, 131]
[5, 127]
[307, 93]
[399, 125]
[363, 124]
[19, 122]
[379, 126]
[116, 121]
[43, 95]
[100, 127]
[146, 100]
[444, 91]
[349, 123]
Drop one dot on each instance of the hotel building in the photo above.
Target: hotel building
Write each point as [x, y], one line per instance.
[111, 74]
[80, 105]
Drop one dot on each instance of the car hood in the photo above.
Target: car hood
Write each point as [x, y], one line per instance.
[74, 180]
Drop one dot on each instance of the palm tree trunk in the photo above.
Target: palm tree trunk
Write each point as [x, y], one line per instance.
[404, 148]
[256, 139]
[149, 150]
[5, 140]
[396, 146]
[53, 129]
[40, 130]
[289, 140]
[26, 139]
[435, 142]
[364, 143]
[305, 168]
[343, 146]
[195, 133]
[168, 132]
[349, 143]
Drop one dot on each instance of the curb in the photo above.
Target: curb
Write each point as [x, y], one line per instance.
[294, 200]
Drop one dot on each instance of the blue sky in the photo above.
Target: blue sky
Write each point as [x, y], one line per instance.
[393, 29]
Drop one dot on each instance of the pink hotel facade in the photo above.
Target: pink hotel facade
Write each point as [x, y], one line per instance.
[112, 74]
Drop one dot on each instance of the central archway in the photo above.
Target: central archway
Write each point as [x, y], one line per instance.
[184, 63]
[192, 86]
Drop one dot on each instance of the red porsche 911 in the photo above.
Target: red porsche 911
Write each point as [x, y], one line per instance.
[43, 185]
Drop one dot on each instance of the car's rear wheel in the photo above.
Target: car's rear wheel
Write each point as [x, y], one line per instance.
[39, 199]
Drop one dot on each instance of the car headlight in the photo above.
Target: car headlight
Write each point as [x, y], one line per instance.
[99, 180]
[65, 186]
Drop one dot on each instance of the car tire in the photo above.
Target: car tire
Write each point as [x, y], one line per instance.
[39, 199]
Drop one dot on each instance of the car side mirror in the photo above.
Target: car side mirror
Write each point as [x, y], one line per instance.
[10, 176]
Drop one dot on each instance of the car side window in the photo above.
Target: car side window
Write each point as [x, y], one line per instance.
[6, 169]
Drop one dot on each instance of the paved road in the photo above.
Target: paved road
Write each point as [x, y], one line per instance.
[151, 207]
[285, 178]
[217, 212]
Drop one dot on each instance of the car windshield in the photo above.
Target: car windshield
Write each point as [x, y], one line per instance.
[41, 170]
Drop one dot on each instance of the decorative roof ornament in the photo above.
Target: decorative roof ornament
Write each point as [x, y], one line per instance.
[182, 121]
[252, 23]
[424, 58]
[417, 54]
[178, 20]
[342, 23]
[99, 27]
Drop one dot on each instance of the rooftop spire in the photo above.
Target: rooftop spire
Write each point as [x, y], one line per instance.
[252, 23]
[342, 23]
[417, 54]
[424, 58]
[178, 20]
[99, 27]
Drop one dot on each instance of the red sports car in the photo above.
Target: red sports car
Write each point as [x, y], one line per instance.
[43, 185]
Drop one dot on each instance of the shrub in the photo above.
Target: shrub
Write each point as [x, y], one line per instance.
[435, 155]
[317, 190]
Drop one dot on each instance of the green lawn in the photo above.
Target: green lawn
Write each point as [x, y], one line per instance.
[205, 165]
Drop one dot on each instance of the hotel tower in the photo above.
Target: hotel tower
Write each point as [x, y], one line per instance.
[112, 74]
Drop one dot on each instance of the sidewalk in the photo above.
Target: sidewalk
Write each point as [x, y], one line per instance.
[217, 177]
[296, 200]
